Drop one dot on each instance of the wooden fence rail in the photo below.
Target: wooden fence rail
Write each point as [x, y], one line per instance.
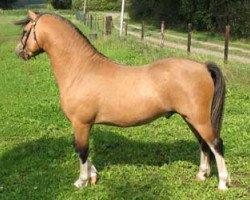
[93, 22]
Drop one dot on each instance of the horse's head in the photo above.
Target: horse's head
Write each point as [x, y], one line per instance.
[30, 44]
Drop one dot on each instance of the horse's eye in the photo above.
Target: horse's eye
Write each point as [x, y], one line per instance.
[24, 32]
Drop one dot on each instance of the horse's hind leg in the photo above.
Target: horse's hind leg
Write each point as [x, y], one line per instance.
[215, 143]
[217, 148]
[205, 156]
[87, 170]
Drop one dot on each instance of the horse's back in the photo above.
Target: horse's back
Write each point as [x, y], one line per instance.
[139, 94]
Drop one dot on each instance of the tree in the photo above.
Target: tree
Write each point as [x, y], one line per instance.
[98, 4]
[4, 4]
[205, 15]
[233, 12]
[61, 4]
[155, 10]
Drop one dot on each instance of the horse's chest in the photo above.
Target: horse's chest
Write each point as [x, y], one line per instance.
[79, 107]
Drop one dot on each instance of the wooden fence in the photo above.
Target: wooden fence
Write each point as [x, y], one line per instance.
[98, 25]
[104, 25]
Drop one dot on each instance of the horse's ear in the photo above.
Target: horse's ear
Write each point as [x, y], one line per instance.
[31, 15]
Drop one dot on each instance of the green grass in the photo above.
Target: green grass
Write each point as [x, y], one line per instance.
[155, 161]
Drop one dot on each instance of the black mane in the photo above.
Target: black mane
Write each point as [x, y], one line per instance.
[22, 22]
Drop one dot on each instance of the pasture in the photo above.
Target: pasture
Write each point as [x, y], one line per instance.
[154, 161]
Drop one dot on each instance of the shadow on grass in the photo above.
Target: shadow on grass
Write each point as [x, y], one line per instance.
[43, 169]
[108, 148]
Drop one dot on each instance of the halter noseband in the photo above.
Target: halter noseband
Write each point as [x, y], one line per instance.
[27, 34]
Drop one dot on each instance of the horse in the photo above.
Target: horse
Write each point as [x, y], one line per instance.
[96, 90]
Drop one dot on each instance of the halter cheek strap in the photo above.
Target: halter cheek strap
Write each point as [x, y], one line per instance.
[27, 34]
[25, 37]
[34, 30]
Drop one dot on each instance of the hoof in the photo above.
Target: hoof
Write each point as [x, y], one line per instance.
[222, 188]
[200, 178]
[93, 180]
[223, 185]
[81, 183]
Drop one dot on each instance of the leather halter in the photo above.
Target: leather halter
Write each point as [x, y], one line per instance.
[27, 34]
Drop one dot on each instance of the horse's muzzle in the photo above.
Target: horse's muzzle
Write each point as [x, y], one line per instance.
[20, 52]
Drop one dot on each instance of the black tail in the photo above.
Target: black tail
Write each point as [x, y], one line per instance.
[219, 97]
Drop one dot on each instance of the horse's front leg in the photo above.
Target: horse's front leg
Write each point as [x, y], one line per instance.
[88, 171]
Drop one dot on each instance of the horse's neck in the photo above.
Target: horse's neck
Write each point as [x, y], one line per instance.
[70, 55]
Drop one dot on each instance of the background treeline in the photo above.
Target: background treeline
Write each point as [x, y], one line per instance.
[4, 4]
[61, 4]
[9, 4]
[205, 15]
[98, 5]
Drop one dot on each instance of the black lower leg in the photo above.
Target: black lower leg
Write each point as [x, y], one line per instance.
[206, 150]
[82, 151]
[218, 146]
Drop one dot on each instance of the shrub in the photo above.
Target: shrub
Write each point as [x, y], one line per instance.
[4, 4]
[97, 5]
[61, 4]
[205, 15]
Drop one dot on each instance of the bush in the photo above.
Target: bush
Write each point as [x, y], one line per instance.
[205, 15]
[61, 4]
[97, 5]
[5, 4]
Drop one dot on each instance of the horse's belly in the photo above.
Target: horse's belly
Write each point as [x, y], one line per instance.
[131, 101]
[130, 114]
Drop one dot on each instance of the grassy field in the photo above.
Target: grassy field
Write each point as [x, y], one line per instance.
[154, 161]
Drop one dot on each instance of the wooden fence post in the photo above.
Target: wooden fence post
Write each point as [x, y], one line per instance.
[97, 24]
[91, 22]
[126, 29]
[108, 25]
[162, 32]
[142, 30]
[189, 38]
[87, 19]
[227, 36]
[103, 26]
[125, 26]
[84, 18]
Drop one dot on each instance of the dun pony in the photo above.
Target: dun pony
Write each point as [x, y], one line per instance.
[96, 90]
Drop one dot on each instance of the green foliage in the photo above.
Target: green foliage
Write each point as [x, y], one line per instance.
[97, 5]
[61, 4]
[196, 12]
[203, 14]
[233, 12]
[153, 9]
[6, 3]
